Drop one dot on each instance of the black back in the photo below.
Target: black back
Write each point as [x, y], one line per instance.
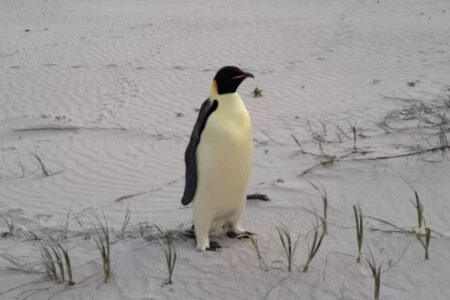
[190, 156]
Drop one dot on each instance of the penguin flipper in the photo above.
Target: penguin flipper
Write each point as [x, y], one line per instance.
[190, 156]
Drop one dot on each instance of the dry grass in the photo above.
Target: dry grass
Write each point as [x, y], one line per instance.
[421, 224]
[170, 252]
[143, 228]
[103, 243]
[316, 241]
[45, 173]
[289, 246]
[126, 221]
[49, 263]
[66, 227]
[324, 196]
[359, 230]
[425, 241]
[423, 233]
[10, 225]
[355, 136]
[261, 261]
[376, 274]
[55, 257]
[320, 137]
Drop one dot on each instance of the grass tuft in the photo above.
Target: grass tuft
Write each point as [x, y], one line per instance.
[355, 136]
[376, 273]
[324, 196]
[143, 228]
[55, 257]
[257, 92]
[103, 243]
[49, 263]
[443, 141]
[359, 230]
[289, 246]
[425, 241]
[10, 225]
[421, 224]
[126, 221]
[319, 137]
[316, 242]
[67, 263]
[58, 261]
[170, 252]
[261, 261]
[66, 228]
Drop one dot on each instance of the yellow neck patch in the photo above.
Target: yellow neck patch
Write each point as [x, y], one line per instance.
[214, 89]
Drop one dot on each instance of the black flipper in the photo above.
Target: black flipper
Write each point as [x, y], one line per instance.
[190, 156]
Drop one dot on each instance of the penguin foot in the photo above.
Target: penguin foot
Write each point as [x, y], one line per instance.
[239, 235]
[190, 234]
[213, 246]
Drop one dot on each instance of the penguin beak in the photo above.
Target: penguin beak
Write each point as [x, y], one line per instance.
[243, 76]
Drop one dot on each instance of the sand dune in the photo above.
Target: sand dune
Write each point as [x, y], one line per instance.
[105, 94]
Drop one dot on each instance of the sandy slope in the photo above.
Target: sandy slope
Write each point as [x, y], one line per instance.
[104, 93]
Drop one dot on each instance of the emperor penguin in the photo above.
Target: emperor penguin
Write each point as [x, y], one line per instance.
[218, 160]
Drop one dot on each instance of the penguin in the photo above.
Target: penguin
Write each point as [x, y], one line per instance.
[218, 160]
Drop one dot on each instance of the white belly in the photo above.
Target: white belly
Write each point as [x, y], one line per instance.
[224, 158]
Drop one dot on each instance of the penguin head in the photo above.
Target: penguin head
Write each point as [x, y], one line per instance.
[228, 79]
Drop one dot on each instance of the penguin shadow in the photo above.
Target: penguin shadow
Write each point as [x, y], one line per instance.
[214, 245]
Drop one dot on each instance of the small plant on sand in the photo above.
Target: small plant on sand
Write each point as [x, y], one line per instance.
[359, 230]
[412, 83]
[353, 127]
[54, 257]
[324, 196]
[446, 102]
[423, 233]
[41, 164]
[257, 92]
[425, 241]
[316, 242]
[261, 261]
[66, 228]
[328, 160]
[126, 221]
[170, 252]
[319, 137]
[289, 246]
[376, 273]
[421, 225]
[49, 263]
[143, 228]
[443, 141]
[10, 225]
[103, 243]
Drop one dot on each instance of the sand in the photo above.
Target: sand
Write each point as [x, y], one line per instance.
[104, 94]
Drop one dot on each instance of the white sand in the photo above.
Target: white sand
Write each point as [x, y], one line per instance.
[94, 88]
